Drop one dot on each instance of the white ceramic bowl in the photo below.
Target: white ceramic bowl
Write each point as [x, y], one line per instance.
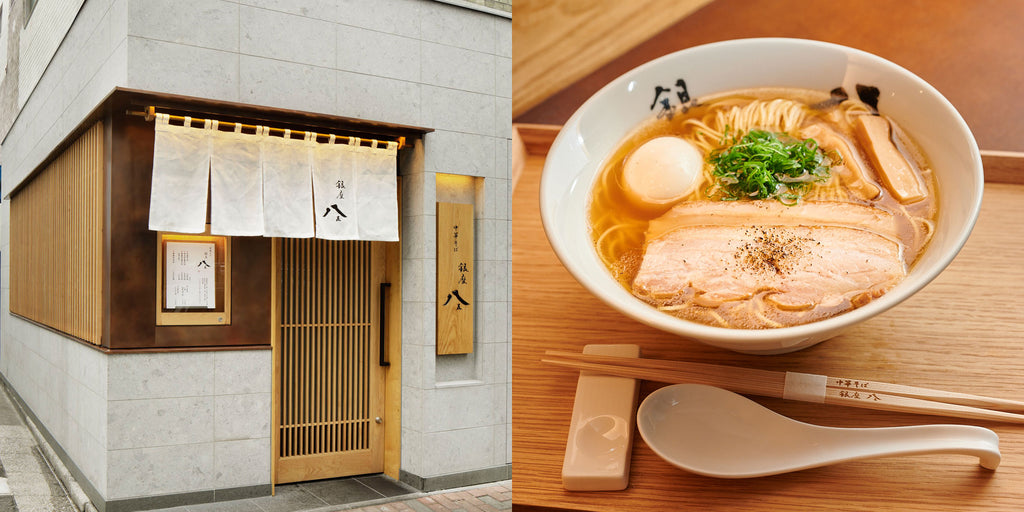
[593, 132]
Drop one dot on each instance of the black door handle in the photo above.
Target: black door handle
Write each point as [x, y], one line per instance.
[382, 347]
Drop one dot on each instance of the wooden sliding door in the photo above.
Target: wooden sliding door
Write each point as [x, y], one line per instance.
[329, 389]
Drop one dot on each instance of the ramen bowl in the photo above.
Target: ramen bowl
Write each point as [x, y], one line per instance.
[670, 83]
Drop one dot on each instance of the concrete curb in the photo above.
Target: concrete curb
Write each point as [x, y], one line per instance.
[6, 498]
[78, 497]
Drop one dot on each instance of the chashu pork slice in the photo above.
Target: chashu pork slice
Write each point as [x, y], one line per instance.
[771, 212]
[791, 267]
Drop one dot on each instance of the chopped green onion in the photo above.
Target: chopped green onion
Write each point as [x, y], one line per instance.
[766, 165]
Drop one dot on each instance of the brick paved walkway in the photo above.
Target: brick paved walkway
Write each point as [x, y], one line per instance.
[486, 498]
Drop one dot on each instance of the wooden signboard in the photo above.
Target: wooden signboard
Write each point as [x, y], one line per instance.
[454, 278]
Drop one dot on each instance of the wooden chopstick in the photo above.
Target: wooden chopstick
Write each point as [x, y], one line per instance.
[778, 379]
[773, 384]
[885, 402]
[935, 395]
[734, 378]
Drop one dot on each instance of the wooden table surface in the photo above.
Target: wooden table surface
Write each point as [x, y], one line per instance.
[964, 331]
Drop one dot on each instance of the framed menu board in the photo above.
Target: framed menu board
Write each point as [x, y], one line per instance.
[193, 279]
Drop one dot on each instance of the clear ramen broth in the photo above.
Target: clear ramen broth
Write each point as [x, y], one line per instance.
[712, 257]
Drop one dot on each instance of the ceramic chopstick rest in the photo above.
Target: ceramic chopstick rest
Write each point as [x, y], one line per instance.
[597, 453]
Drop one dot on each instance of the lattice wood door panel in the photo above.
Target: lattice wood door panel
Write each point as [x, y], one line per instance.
[330, 386]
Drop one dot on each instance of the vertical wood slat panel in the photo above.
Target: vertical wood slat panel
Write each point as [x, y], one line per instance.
[303, 357]
[287, 366]
[57, 237]
[304, 351]
[360, 361]
[346, 320]
[296, 347]
[357, 377]
[320, 298]
[333, 289]
[308, 353]
[290, 292]
[296, 354]
[292, 348]
[284, 354]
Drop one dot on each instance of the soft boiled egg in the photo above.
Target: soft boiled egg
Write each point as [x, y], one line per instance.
[661, 172]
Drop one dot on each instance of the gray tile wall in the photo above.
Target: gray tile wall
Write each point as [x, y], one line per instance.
[185, 422]
[412, 62]
[64, 383]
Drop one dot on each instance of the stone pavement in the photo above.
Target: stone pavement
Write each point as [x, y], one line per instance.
[27, 484]
[483, 498]
[315, 497]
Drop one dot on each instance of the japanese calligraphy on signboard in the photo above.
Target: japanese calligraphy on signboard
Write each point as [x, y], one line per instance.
[454, 278]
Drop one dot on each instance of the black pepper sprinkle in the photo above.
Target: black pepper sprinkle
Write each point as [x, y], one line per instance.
[771, 250]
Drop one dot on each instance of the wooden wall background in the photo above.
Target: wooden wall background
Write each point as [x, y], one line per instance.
[557, 43]
[133, 255]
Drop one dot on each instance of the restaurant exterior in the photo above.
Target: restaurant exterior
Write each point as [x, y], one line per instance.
[253, 242]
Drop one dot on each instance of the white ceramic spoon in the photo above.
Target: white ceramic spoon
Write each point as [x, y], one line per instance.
[714, 432]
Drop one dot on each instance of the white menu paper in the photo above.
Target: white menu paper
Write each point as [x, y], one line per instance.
[191, 275]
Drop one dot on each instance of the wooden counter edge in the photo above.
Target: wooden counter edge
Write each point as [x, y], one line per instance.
[1003, 166]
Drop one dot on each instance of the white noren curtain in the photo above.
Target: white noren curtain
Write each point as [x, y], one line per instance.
[271, 186]
[378, 193]
[287, 187]
[236, 185]
[334, 192]
[181, 166]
